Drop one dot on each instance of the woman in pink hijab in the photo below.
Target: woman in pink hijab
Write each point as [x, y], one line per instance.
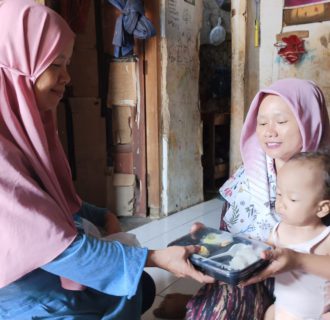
[49, 267]
[288, 117]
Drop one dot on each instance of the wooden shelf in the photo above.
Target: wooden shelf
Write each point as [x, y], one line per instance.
[216, 131]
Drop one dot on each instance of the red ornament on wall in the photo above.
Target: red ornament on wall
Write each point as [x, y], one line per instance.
[291, 48]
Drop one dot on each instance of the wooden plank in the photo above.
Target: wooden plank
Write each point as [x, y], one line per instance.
[84, 73]
[110, 14]
[90, 149]
[307, 14]
[239, 35]
[152, 110]
[139, 139]
[86, 39]
[299, 33]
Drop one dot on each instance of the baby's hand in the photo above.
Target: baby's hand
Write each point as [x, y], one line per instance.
[112, 224]
[326, 316]
[281, 260]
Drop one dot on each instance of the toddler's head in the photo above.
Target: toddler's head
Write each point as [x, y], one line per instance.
[303, 189]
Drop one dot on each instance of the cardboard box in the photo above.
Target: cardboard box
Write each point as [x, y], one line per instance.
[123, 82]
[123, 162]
[122, 124]
[123, 194]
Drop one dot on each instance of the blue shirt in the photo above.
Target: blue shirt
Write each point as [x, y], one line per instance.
[109, 269]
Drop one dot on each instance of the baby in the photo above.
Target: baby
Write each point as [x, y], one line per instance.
[302, 202]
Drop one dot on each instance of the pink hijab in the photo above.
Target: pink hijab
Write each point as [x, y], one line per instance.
[307, 104]
[37, 196]
[251, 191]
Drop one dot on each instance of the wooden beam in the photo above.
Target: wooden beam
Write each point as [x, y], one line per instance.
[300, 34]
[238, 27]
[152, 67]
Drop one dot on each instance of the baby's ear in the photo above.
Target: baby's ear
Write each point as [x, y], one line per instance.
[323, 208]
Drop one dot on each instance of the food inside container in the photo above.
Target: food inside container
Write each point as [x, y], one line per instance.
[224, 256]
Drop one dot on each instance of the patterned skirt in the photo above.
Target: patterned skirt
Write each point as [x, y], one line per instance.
[221, 301]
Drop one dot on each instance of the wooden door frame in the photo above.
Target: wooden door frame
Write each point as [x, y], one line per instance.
[152, 102]
[238, 78]
[152, 95]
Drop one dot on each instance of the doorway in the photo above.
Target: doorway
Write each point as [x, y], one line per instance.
[215, 91]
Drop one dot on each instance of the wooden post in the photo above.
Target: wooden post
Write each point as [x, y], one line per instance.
[152, 110]
[238, 27]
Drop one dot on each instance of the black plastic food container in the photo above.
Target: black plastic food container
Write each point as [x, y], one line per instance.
[224, 256]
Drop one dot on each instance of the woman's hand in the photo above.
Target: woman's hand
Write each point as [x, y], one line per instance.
[281, 260]
[175, 260]
[112, 224]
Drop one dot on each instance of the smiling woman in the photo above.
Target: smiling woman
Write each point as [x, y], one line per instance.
[288, 117]
[277, 130]
[50, 85]
[50, 267]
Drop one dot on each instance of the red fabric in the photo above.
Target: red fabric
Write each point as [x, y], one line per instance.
[293, 49]
[296, 3]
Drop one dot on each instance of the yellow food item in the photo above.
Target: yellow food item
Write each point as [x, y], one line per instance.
[221, 240]
[203, 251]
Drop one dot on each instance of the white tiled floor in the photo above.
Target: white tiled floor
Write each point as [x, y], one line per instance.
[158, 233]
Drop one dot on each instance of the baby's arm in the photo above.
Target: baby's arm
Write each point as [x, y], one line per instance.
[326, 316]
[270, 315]
[317, 263]
[283, 259]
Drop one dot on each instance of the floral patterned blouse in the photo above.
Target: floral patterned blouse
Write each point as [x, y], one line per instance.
[243, 215]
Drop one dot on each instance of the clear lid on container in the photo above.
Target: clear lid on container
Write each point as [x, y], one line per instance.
[226, 257]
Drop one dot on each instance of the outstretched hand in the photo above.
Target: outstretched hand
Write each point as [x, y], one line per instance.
[175, 259]
[280, 260]
[112, 224]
